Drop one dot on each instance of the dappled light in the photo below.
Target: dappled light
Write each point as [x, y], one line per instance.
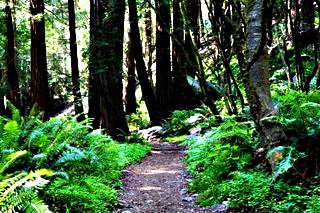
[150, 188]
[160, 171]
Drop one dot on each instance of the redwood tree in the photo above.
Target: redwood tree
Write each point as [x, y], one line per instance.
[93, 95]
[146, 87]
[108, 41]
[39, 72]
[130, 98]
[148, 43]
[163, 68]
[78, 107]
[12, 73]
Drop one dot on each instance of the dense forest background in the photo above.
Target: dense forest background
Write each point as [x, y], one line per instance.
[251, 66]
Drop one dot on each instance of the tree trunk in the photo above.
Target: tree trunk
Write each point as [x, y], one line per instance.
[78, 107]
[148, 44]
[193, 11]
[183, 92]
[146, 88]
[130, 99]
[93, 95]
[109, 45]
[163, 68]
[39, 72]
[12, 72]
[259, 86]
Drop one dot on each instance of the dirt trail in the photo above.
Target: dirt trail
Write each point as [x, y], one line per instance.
[158, 183]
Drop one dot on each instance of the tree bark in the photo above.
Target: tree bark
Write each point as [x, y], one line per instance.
[184, 95]
[12, 72]
[259, 86]
[109, 45]
[78, 107]
[148, 44]
[146, 87]
[163, 68]
[130, 99]
[93, 95]
[193, 11]
[39, 72]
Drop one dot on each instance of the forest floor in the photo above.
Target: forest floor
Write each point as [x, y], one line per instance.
[158, 183]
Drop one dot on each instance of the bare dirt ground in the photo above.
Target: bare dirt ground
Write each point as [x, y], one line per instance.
[158, 184]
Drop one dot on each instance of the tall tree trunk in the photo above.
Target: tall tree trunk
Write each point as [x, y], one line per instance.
[259, 86]
[109, 41]
[78, 107]
[12, 72]
[295, 28]
[148, 44]
[193, 11]
[147, 91]
[163, 68]
[130, 99]
[39, 72]
[184, 96]
[93, 94]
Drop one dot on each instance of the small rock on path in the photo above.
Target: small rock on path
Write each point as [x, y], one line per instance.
[158, 184]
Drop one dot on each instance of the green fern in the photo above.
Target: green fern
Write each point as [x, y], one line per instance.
[22, 179]
[11, 159]
[34, 204]
[72, 154]
[15, 113]
[11, 132]
[78, 157]
[282, 158]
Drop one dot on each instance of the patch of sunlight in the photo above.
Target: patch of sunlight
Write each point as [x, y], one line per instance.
[175, 139]
[149, 188]
[159, 171]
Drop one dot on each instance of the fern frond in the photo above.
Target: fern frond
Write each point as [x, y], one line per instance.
[11, 159]
[36, 205]
[72, 154]
[282, 158]
[11, 132]
[14, 112]
[22, 179]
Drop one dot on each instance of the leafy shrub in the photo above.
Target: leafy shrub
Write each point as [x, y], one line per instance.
[82, 168]
[140, 119]
[178, 120]
[299, 113]
[212, 157]
[222, 170]
[257, 192]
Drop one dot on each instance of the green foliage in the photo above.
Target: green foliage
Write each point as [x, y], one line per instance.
[282, 158]
[224, 168]
[87, 193]
[20, 192]
[259, 193]
[139, 120]
[299, 113]
[175, 139]
[212, 157]
[87, 165]
[178, 121]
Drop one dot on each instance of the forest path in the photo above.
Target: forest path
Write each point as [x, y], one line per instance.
[158, 183]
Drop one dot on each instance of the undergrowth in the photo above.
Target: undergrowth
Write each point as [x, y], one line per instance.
[60, 165]
[228, 166]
